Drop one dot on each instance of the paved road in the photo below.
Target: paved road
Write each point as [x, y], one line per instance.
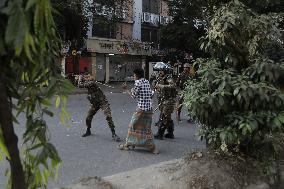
[97, 155]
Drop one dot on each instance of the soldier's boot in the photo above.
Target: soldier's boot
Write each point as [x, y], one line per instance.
[170, 130]
[88, 132]
[160, 134]
[114, 136]
[111, 126]
[158, 123]
[89, 124]
[161, 130]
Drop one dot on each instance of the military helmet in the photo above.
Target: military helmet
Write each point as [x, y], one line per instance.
[161, 66]
[186, 65]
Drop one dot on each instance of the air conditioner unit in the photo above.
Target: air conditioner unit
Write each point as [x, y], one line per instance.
[155, 19]
[147, 17]
[163, 20]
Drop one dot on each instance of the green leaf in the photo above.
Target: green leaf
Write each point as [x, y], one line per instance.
[35, 147]
[46, 102]
[28, 46]
[245, 130]
[224, 147]
[277, 124]
[30, 3]
[57, 101]
[46, 111]
[281, 118]
[221, 101]
[16, 27]
[62, 118]
[242, 126]
[15, 119]
[3, 147]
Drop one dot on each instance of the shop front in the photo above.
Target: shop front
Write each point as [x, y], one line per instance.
[115, 60]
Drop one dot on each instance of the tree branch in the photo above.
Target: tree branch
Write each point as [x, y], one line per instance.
[10, 138]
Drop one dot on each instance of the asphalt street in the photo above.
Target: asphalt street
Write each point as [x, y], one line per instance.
[98, 155]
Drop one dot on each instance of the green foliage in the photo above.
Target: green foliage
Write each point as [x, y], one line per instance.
[236, 97]
[72, 21]
[3, 149]
[182, 37]
[181, 34]
[29, 53]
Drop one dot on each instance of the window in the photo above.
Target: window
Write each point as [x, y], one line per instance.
[151, 6]
[149, 35]
[102, 28]
[145, 35]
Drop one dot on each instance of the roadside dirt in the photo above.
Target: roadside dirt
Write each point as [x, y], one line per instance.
[200, 170]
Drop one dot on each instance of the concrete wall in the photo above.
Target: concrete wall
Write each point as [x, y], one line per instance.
[129, 9]
[124, 31]
[137, 15]
[164, 8]
[125, 28]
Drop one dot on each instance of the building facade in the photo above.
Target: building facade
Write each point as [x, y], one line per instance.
[116, 50]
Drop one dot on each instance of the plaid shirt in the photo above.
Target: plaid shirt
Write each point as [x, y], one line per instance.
[143, 93]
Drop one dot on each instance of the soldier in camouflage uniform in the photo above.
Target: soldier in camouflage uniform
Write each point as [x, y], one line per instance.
[181, 81]
[166, 93]
[98, 101]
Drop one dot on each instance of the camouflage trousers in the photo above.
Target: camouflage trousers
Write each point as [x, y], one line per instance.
[165, 121]
[167, 108]
[105, 107]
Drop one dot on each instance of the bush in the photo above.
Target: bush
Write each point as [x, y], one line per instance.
[237, 98]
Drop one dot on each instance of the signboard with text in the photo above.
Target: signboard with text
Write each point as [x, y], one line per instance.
[113, 46]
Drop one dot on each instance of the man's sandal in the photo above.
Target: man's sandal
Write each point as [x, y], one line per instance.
[125, 147]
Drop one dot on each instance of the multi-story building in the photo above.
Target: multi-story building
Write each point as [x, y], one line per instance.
[116, 50]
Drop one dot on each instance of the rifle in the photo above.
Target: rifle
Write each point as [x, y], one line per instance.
[105, 84]
[157, 107]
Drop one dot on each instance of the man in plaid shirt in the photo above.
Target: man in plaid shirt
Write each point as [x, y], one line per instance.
[139, 130]
[143, 93]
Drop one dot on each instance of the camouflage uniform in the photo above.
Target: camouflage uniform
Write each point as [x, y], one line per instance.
[166, 100]
[98, 101]
[181, 83]
[183, 77]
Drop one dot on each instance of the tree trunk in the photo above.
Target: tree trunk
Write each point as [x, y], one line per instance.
[10, 138]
